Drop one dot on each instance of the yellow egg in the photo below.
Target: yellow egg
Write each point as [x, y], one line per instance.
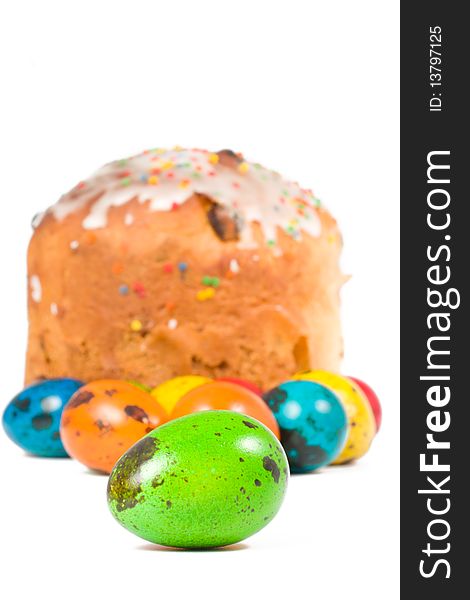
[169, 392]
[362, 428]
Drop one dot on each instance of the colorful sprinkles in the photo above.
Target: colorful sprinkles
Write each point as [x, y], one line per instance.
[165, 179]
[139, 289]
[136, 325]
[210, 281]
[205, 294]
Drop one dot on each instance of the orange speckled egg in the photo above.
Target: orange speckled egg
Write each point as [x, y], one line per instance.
[104, 418]
[222, 395]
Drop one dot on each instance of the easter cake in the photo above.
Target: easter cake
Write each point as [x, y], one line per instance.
[184, 261]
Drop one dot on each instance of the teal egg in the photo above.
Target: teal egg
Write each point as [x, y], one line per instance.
[208, 479]
[32, 418]
[312, 421]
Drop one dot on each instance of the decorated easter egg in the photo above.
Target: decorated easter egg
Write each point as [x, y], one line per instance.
[104, 418]
[141, 386]
[313, 423]
[221, 395]
[32, 418]
[373, 400]
[204, 480]
[361, 419]
[249, 385]
[169, 392]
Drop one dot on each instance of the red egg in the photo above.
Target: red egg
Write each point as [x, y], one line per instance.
[373, 400]
[243, 383]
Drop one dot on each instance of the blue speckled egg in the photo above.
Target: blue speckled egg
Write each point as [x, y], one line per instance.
[313, 423]
[32, 418]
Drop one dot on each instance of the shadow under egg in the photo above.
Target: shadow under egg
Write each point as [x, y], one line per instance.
[158, 548]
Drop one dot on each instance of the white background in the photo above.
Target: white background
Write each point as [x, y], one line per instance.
[307, 88]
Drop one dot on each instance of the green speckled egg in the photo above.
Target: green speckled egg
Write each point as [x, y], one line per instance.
[207, 479]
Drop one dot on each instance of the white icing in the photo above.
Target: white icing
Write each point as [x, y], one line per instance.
[36, 288]
[74, 244]
[37, 219]
[128, 219]
[165, 178]
[54, 309]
